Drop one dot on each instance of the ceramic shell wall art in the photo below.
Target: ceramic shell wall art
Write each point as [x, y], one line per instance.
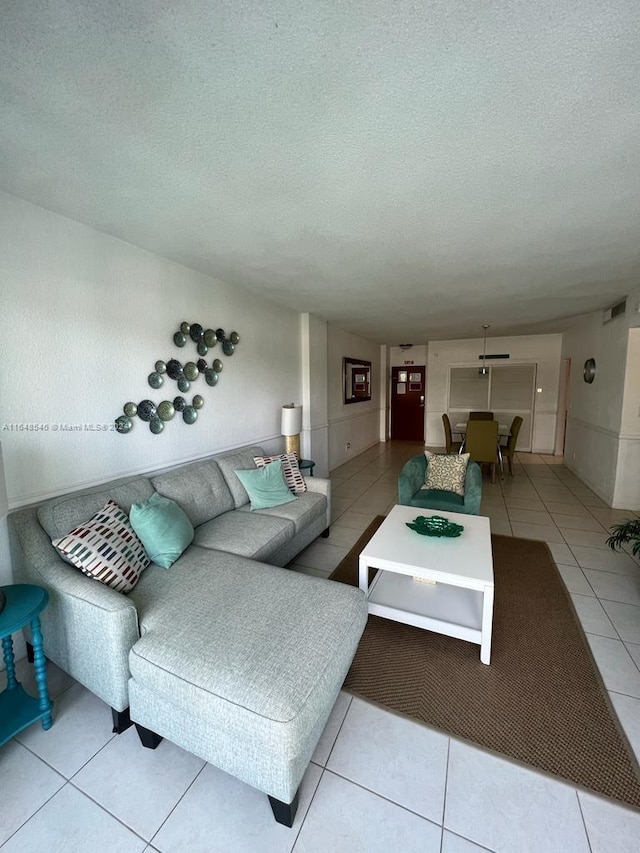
[156, 415]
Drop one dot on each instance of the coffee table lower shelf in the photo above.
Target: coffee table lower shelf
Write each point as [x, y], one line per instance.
[443, 608]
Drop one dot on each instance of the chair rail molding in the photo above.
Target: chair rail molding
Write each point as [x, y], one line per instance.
[612, 433]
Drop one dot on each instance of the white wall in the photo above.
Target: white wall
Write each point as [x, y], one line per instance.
[603, 429]
[627, 488]
[84, 318]
[5, 558]
[6, 576]
[385, 393]
[416, 355]
[354, 424]
[315, 427]
[543, 350]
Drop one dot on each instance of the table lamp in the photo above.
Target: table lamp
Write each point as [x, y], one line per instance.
[290, 426]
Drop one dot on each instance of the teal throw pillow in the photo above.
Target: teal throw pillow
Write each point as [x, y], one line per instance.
[266, 486]
[163, 528]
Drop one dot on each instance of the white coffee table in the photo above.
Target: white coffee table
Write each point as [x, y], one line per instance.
[441, 584]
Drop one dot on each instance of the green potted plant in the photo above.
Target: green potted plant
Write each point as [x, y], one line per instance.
[626, 531]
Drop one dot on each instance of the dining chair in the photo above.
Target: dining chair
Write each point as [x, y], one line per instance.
[480, 416]
[508, 450]
[451, 445]
[481, 442]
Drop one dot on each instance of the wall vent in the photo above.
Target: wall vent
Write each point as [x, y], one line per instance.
[494, 355]
[616, 311]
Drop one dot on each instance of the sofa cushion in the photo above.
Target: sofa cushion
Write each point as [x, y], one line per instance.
[266, 486]
[248, 534]
[229, 463]
[60, 515]
[106, 548]
[215, 660]
[163, 528]
[302, 512]
[290, 469]
[199, 488]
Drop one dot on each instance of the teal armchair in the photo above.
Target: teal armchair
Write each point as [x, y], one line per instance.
[412, 477]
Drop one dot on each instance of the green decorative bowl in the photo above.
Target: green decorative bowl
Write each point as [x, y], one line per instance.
[435, 525]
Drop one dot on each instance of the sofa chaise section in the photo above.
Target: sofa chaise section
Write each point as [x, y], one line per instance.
[250, 693]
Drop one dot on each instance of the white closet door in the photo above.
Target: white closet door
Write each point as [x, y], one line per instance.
[468, 390]
[512, 393]
[506, 390]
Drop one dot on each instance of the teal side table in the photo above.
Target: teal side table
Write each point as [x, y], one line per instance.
[24, 603]
[305, 464]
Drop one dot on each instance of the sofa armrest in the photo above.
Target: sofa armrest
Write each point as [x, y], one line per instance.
[473, 488]
[411, 478]
[322, 486]
[88, 629]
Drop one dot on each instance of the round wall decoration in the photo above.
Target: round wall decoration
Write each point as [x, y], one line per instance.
[156, 415]
[589, 372]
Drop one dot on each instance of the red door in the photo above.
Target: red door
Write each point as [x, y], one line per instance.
[407, 403]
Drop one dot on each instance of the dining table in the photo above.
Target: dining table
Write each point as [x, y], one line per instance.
[504, 431]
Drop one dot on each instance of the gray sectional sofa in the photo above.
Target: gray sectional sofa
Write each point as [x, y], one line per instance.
[225, 653]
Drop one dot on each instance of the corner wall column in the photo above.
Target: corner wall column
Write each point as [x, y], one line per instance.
[315, 418]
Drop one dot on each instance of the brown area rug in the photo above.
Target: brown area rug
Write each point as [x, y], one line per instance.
[541, 701]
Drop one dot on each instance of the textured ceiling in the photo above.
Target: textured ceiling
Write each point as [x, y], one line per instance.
[406, 170]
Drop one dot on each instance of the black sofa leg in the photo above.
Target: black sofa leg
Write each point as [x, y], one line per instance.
[121, 721]
[325, 533]
[284, 813]
[30, 657]
[148, 738]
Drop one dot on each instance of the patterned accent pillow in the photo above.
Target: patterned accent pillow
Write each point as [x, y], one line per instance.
[292, 474]
[106, 548]
[446, 472]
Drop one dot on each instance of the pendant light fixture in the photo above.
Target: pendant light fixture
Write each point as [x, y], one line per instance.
[483, 369]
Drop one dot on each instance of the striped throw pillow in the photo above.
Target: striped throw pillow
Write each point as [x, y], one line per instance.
[106, 548]
[292, 475]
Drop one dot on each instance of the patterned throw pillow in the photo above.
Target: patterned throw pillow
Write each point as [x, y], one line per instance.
[446, 472]
[106, 548]
[292, 474]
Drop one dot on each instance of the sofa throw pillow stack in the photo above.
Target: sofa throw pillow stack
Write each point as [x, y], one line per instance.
[163, 528]
[266, 486]
[106, 548]
[290, 469]
[446, 472]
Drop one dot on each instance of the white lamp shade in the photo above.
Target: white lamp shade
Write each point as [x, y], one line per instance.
[291, 423]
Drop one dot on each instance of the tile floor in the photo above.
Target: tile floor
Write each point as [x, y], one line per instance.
[378, 782]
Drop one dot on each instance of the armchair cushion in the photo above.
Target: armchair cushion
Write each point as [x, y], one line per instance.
[446, 472]
[438, 499]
